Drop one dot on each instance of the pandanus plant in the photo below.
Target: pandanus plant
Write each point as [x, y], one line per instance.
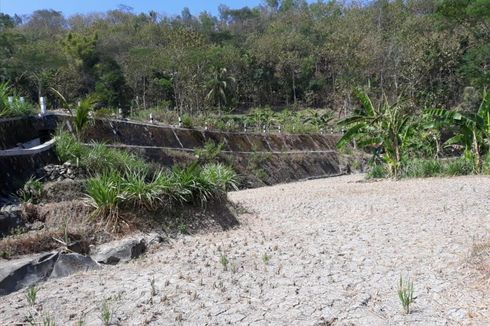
[384, 128]
[474, 129]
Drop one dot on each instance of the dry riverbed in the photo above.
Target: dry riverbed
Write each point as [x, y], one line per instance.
[320, 252]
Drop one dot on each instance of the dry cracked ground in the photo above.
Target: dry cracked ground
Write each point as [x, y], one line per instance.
[320, 252]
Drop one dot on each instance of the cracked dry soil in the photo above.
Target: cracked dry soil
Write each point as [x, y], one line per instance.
[322, 252]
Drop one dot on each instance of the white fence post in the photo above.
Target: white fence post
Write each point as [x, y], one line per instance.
[42, 103]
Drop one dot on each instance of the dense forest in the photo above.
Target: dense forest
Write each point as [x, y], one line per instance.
[280, 54]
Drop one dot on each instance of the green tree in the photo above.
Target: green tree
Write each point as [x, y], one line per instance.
[219, 88]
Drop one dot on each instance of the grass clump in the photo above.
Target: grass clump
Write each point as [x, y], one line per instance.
[377, 171]
[14, 108]
[460, 166]
[422, 168]
[31, 295]
[31, 192]
[109, 192]
[406, 294]
[96, 158]
[105, 195]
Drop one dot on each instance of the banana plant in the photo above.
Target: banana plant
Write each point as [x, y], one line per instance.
[384, 128]
[474, 129]
[317, 119]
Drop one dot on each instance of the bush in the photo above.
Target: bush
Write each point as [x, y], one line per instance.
[222, 177]
[187, 121]
[96, 158]
[486, 164]
[422, 168]
[210, 152]
[377, 171]
[460, 166]
[16, 108]
[138, 192]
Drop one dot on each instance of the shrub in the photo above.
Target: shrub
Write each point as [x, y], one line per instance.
[16, 108]
[187, 121]
[377, 171]
[486, 164]
[422, 168]
[210, 152]
[460, 166]
[68, 148]
[96, 158]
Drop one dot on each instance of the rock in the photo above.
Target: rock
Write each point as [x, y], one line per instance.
[10, 218]
[27, 271]
[18, 274]
[119, 250]
[71, 263]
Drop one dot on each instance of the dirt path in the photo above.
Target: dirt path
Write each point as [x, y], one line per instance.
[316, 252]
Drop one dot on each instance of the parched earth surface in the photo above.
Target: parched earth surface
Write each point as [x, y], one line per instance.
[320, 252]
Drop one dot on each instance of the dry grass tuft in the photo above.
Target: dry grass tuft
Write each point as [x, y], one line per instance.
[480, 256]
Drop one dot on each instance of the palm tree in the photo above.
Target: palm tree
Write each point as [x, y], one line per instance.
[474, 128]
[384, 128]
[82, 111]
[218, 88]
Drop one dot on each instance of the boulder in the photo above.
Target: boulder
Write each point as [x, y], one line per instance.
[27, 271]
[119, 250]
[24, 272]
[71, 263]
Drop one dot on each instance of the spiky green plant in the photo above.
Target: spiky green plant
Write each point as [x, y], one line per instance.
[222, 177]
[224, 261]
[105, 195]
[406, 294]
[31, 295]
[138, 191]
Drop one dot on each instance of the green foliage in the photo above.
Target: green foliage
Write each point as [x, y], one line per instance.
[422, 168]
[31, 295]
[31, 192]
[459, 166]
[96, 158]
[16, 108]
[473, 128]
[224, 261]
[210, 152]
[381, 128]
[105, 194]
[406, 294]
[187, 121]
[377, 171]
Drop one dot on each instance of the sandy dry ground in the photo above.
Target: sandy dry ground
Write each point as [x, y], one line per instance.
[310, 253]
